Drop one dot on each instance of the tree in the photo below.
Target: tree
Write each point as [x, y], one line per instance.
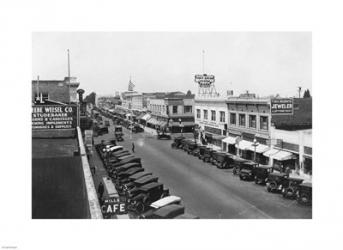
[90, 98]
[307, 94]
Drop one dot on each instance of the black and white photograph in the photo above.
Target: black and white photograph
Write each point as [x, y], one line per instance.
[150, 125]
[163, 125]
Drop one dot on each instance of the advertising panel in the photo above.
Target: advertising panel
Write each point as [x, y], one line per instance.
[281, 106]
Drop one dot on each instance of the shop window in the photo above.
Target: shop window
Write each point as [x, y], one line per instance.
[264, 122]
[242, 120]
[232, 118]
[205, 114]
[174, 109]
[187, 109]
[198, 113]
[252, 121]
[213, 115]
[222, 116]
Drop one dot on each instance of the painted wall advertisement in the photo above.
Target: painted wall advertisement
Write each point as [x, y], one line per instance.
[45, 117]
[281, 106]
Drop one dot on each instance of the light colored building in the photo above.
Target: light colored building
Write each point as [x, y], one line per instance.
[211, 116]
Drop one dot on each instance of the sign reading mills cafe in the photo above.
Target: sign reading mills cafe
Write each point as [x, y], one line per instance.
[47, 117]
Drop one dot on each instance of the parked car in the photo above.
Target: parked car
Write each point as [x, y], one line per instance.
[191, 146]
[207, 156]
[127, 179]
[246, 171]
[166, 201]
[140, 182]
[304, 194]
[118, 133]
[167, 212]
[163, 134]
[125, 161]
[141, 197]
[125, 167]
[291, 187]
[220, 159]
[261, 173]
[177, 142]
[276, 181]
[237, 162]
[126, 174]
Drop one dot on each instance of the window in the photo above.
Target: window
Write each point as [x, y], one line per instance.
[205, 114]
[222, 116]
[174, 109]
[252, 121]
[213, 115]
[242, 120]
[198, 113]
[264, 122]
[233, 118]
[187, 109]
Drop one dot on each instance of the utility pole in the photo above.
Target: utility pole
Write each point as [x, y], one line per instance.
[299, 89]
[69, 75]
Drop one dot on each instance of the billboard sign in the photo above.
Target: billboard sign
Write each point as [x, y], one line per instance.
[112, 206]
[281, 106]
[204, 80]
[52, 117]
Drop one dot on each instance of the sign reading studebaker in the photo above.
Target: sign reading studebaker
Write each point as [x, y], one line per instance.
[281, 106]
[54, 117]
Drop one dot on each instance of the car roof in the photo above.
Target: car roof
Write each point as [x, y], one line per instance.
[277, 174]
[145, 179]
[132, 170]
[264, 166]
[170, 210]
[150, 186]
[306, 184]
[165, 201]
[127, 165]
[140, 174]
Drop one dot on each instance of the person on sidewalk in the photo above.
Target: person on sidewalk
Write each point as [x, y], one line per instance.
[133, 147]
[101, 190]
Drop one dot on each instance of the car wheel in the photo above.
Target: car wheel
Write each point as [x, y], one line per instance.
[269, 189]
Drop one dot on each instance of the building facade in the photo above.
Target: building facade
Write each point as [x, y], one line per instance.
[211, 116]
[63, 91]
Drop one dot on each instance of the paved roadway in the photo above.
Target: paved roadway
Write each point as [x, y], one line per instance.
[206, 191]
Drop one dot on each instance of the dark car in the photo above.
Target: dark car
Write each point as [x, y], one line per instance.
[126, 167]
[220, 159]
[291, 187]
[163, 134]
[177, 142]
[139, 182]
[207, 156]
[191, 146]
[276, 181]
[237, 162]
[261, 173]
[304, 194]
[125, 161]
[246, 171]
[131, 178]
[118, 133]
[167, 212]
[201, 153]
[139, 198]
[126, 174]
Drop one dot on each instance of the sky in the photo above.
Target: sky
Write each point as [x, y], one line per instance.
[265, 63]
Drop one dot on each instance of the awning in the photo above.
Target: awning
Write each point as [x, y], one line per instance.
[270, 152]
[230, 140]
[146, 117]
[218, 137]
[283, 156]
[260, 148]
[244, 145]
[152, 121]
[140, 116]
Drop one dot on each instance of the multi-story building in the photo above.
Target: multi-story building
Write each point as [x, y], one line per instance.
[174, 110]
[249, 121]
[63, 91]
[211, 116]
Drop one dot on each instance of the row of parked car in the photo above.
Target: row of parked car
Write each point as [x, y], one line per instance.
[144, 195]
[275, 181]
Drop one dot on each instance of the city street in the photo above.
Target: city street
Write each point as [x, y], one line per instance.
[206, 191]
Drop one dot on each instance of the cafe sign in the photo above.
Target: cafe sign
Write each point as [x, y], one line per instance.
[47, 117]
[281, 106]
[112, 206]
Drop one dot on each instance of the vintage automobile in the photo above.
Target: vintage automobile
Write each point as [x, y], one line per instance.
[237, 163]
[118, 133]
[139, 198]
[125, 174]
[139, 182]
[220, 159]
[125, 161]
[167, 212]
[127, 179]
[207, 156]
[163, 134]
[276, 181]
[191, 146]
[101, 130]
[113, 159]
[125, 167]
[261, 173]
[290, 189]
[159, 204]
[304, 194]
[135, 128]
[246, 171]
[177, 142]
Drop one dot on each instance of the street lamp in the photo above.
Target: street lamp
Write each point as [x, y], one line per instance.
[171, 125]
[255, 144]
[181, 126]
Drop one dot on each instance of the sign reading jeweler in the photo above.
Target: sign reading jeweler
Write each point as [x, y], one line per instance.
[54, 117]
[281, 106]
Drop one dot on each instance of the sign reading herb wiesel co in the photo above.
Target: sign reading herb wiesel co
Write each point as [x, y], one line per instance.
[54, 117]
[281, 106]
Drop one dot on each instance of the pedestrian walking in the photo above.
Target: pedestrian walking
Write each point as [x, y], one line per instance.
[101, 190]
[133, 147]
